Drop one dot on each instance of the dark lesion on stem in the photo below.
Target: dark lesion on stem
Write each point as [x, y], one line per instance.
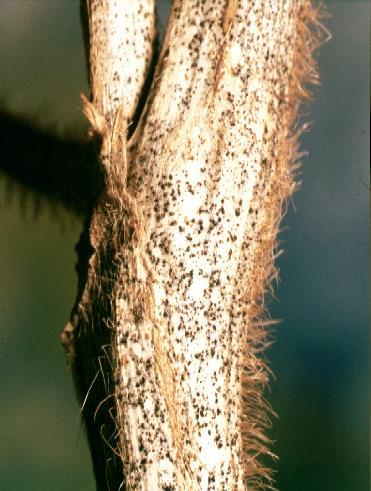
[66, 171]
[93, 316]
[92, 360]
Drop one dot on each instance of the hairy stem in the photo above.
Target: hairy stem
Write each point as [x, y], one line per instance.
[183, 239]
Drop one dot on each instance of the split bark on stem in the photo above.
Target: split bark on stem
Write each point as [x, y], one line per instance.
[183, 239]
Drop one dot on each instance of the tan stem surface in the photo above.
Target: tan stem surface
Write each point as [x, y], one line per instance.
[190, 224]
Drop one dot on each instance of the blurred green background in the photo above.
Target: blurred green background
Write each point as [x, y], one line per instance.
[320, 354]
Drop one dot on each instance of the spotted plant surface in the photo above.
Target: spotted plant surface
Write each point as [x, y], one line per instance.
[121, 39]
[184, 236]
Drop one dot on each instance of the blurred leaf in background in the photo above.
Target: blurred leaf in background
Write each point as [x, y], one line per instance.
[320, 354]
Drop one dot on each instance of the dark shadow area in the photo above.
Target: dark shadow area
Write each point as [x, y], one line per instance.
[62, 170]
